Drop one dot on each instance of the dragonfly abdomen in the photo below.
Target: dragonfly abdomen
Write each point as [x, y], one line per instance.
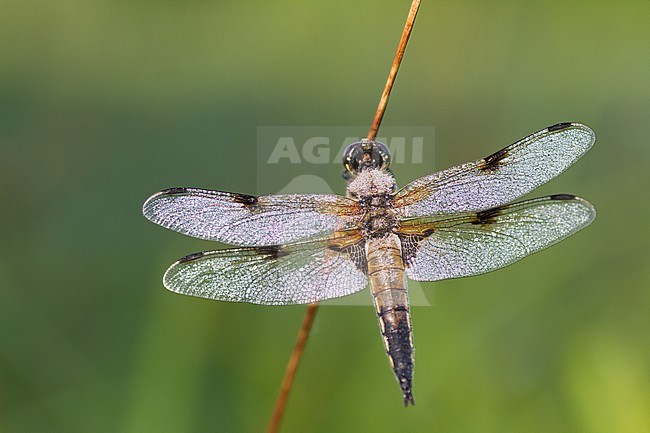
[388, 288]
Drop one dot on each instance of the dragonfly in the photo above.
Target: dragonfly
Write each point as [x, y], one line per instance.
[307, 248]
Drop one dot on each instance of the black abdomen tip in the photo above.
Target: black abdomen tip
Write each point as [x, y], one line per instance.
[408, 397]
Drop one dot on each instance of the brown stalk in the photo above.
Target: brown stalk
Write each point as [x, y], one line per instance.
[290, 373]
[397, 61]
[308, 320]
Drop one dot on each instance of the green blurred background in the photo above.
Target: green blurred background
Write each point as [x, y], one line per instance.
[104, 102]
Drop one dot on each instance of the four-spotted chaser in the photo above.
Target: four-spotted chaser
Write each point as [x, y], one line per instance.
[299, 249]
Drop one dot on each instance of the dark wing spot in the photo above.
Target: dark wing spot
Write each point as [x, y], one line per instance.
[360, 262]
[493, 161]
[191, 257]
[559, 126]
[487, 216]
[355, 252]
[562, 197]
[428, 232]
[410, 246]
[246, 200]
[272, 251]
[175, 190]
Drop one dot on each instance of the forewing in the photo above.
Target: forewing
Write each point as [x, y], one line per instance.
[499, 178]
[473, 244]
[277, 275]
[246, 220]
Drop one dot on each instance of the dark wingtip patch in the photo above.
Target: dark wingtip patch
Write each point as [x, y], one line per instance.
[559, 126]
[191, 257]
[493, 161]
[359, 260]
[175, 190]
[245, 199]
[562, 197]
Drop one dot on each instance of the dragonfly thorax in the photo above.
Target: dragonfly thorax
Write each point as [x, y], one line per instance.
[374, 190]
[372, 184]
[378, 223]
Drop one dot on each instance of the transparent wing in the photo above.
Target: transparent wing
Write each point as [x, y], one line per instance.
[247, 220]
[473, 244]
[499, 178]
[277, 275]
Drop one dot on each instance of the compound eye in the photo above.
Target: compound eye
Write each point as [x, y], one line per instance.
[364, 155]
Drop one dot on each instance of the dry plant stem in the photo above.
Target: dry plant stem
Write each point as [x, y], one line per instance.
[290, 373]
[292, 366]
[383, 101]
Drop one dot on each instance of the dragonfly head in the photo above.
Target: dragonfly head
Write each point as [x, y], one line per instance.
[365, 155]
